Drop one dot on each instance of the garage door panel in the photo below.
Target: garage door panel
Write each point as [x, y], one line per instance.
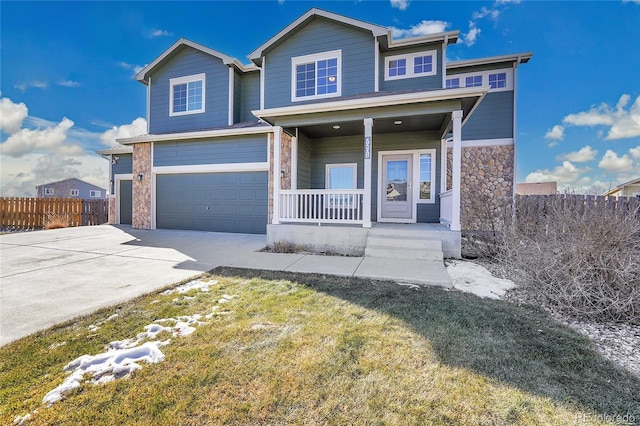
[220, 202]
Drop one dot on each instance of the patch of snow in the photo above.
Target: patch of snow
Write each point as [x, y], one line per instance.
[476, 279]
[19, 420]
[113, 364]
[191, 285]
[57, 345]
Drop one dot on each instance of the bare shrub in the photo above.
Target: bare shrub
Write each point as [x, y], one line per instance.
[56, 220]
[577, 258]
[282, 247]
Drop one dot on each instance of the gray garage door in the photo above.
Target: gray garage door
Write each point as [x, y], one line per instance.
[219, 202]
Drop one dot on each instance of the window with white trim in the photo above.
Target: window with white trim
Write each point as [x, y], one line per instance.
[410, 65]
[95, 194]
[48, 191]
[187, 95]
[427, 177]
[75, 192]
[498, 80]
[453, 83]
[341, 176]
[316, 76]
[473, 81]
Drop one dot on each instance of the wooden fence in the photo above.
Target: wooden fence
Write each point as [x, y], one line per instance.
[36, 213]
[528, 205]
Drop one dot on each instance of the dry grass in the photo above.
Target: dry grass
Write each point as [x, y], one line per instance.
[56, 221]
[307, 349]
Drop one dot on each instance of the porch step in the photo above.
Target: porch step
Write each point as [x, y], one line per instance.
[391, 247]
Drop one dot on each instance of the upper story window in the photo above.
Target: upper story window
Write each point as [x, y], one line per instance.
[452, 83]
[316, 76]
[95, 194]
[48, 191]
[187, 95]
[75, 192]
[498, 80]
[473, 81]
[410, 65]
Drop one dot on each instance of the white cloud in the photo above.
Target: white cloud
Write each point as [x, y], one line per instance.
[423, 28]
[565, 174]
[622, 123]
[49, 140]
[470, 38]
[484, 12]
[612, 163]
[12, 115]
[555, 133]
[136, 128]
[583, 155]
[635, 152]
[159, 33]
[400, 4]
[136, 68]
[32, 84]
[68, 83]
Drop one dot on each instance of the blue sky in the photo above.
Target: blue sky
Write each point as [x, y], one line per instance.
[67, 69]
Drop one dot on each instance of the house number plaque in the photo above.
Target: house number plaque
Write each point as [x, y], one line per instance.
[367, 148]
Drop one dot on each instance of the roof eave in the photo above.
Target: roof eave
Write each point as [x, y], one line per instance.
[194, 135]
[449, 37]
[518, 58]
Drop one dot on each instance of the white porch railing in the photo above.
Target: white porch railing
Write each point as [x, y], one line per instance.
[321, 206]
[446, 207]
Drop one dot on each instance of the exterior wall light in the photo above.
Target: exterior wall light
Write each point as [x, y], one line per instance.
[140, 175]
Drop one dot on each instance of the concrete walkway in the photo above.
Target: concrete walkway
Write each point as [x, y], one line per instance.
[49, 277]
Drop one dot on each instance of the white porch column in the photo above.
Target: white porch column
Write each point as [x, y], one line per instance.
[443, 165]
[456, 169]
[277, 135]
[368, 153]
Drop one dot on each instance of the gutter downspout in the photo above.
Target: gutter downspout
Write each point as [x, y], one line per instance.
[515, 145]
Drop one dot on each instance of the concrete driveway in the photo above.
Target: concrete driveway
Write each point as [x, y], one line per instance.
[48, 277]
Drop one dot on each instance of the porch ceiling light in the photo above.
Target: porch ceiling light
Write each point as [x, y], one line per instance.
[336, 126]
[397, 122]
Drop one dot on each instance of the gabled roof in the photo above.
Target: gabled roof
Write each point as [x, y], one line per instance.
[519, 58]
[376, 30]
[619, 188]
[143, 75]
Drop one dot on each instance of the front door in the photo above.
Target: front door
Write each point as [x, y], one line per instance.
[396, 189]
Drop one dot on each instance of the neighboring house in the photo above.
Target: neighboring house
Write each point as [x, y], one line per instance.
[627, 189]
[71, 188]
[537, 188]
[333, 122]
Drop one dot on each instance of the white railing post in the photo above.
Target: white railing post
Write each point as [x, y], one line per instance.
[456, 170]
[277, 134]
[368, 153]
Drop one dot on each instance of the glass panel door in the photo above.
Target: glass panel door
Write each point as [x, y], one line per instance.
[396, 189]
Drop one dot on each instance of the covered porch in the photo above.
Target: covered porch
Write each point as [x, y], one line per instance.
[381, 159]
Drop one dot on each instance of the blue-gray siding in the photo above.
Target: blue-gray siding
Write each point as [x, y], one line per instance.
[250, 96]
[321, 35]
[185, 63]
[493, 119]
[304, 162]
[350, 150]
[232, 149]
[237, 96]
[431, 82]
[123, 166]
[216, 202]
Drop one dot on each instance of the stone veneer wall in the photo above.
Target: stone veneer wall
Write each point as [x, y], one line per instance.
[112, 210]
[285, 164]
[141, 215]
[487, 171]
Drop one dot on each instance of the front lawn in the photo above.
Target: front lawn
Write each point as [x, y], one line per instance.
[275, 348]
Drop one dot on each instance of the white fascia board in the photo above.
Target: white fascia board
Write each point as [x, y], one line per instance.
[515, 58]
[450, 37]
[196, 135]
[226, 59]
[378, 101]
[483, 142]
[375, 29]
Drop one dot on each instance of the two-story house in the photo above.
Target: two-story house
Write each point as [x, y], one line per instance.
[71, 188]
[333, 123]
